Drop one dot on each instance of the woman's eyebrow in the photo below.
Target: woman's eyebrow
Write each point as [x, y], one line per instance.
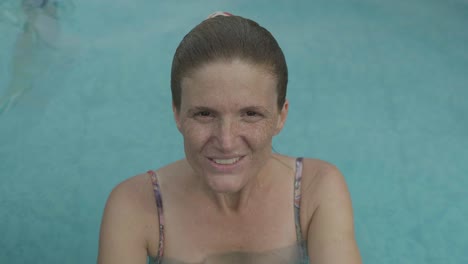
[200, 108]
[256, 108]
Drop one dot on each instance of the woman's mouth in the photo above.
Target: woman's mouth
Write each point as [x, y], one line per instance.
[226, 161]
[226, 164]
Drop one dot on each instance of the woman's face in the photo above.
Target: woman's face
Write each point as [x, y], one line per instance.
[228, 117]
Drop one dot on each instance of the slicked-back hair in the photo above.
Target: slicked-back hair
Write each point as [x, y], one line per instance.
[226, 38]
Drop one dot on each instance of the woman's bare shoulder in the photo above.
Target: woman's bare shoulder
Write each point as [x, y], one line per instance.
[136, 188]
[132, 189]
[329, 214]
[127, 222]
[317, 172]
[320, 180]
[136, 194]
[132, 201]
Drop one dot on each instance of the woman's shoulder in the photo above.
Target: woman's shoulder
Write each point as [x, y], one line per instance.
[319, 170]
[320, 179]
[133, 195]
[135, 183]
[315, 173]
[131, 210]
[322, 184]
[137, 191]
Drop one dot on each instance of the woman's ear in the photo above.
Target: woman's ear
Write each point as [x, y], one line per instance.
[176, 116]
[282, 117]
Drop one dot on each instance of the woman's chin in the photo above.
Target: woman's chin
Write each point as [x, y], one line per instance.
[225, 183]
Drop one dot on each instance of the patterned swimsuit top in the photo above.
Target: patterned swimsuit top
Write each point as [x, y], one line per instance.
[297, 204]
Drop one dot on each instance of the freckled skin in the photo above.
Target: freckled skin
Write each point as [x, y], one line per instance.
[238, 213]
[229, 109]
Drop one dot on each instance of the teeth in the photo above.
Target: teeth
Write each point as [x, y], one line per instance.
[226, 161]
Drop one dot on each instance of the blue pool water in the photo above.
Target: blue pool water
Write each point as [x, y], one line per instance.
[379, 88]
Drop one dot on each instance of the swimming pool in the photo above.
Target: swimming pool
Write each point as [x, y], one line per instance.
[377, 87]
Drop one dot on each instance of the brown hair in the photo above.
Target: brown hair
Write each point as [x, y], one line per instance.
[228, 38]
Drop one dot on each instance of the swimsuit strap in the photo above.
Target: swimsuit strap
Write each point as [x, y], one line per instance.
[297, 198]
[159, 204]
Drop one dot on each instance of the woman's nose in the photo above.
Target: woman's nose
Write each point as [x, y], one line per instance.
[227, 134]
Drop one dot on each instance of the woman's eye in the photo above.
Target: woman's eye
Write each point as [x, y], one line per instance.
[203, 114]
[251, 113]
[252, 116]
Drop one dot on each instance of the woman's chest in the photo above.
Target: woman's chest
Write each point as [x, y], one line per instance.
[293, 254]
[210, 233]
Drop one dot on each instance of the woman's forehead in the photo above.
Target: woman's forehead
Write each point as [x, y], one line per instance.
[236, 73]
[229, 82]
[230, 68]
[218, 99]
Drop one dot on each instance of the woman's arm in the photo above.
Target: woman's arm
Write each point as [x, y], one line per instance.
[122, 236]
[330, 235]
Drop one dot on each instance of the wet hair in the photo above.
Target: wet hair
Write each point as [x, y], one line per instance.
[226, 38]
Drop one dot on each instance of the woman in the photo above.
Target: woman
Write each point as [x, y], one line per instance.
[231, 200]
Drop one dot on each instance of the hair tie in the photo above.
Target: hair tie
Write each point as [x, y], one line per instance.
[219, 13]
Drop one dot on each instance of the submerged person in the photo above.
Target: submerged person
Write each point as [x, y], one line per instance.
[231, 200]
[40, 32]
[8, 14]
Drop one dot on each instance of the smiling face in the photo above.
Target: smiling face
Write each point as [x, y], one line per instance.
[228, 117]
